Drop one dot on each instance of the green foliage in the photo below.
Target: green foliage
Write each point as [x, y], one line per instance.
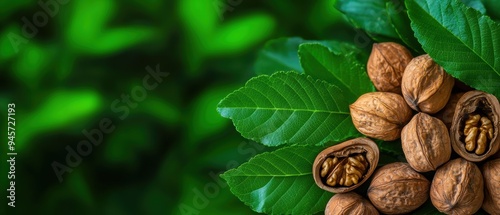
[30, 66]
[125, 146]
[279, 55]
[493, 8]
[7, 51]
[289, 108]
[97, 39]
[460, 30]
[203, 120]
[209, 36]
[279, 182]
[91, 53]
[343, 71]
[61, 109]
[165, 111]
[401, 23]
[228, 40]
[120, 38]
[75, 193]
[369, 15]
[476, 4]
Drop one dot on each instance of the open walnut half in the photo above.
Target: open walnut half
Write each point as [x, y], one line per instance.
[474, 130]
[344, 167]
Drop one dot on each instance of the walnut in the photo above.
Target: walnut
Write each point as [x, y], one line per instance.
[474, 131]
[491, 174]
[426, 87]
[380, 115]
[345, 166]
[457, 187]
[426, 143]
[386, 65]
[349, 203]
[396, 189]
[478, 131]
[344, 171]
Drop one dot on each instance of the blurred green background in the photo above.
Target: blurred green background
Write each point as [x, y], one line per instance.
[66, 63]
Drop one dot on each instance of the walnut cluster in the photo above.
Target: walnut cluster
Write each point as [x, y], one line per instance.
[419, 104]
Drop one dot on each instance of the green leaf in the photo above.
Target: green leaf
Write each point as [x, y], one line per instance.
[279, 182]
[343, 48]
[369, 15]
[460, 39]
[289, 108]
[401, 23]
[342, 71]
[476, 4]
[279, 55]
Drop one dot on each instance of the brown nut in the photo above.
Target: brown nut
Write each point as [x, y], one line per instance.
[457, 187]
[396, 189]
[491, 175]
[474, 131]
[380, 115]
[386, 65]
[446, 114]
[345, 166]
[426, 143]
[349, 203]
[426, 87]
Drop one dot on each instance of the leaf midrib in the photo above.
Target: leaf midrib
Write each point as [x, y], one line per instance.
[466, 45]
[289, 109]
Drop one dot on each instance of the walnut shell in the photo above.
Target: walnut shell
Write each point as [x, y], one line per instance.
[345, 150]
[470, 104]
[349, 203]
[457, 187]
[386, 65]
[491, 175]
[426, 87]
[380, 115]
[446, 114]
[426, 143]
[396, 189]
